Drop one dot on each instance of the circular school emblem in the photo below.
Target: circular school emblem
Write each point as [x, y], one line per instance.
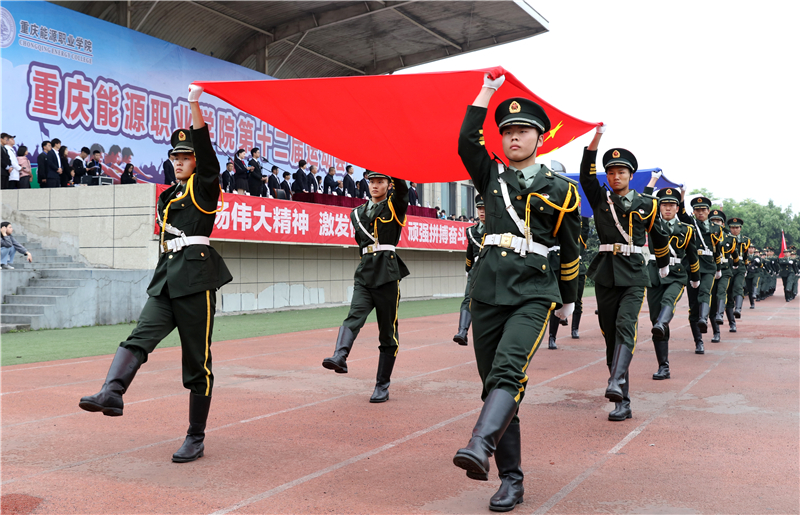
[8, 28]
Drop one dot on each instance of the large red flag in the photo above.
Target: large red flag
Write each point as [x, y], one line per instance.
[403, 125]
[783, 245]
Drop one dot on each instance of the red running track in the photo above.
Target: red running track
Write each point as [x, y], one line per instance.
[287, 436]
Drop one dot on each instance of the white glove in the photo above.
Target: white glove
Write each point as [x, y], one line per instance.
[695, 284]
[736, 267]
[565, 311]
[718, 274]
[656, 175]
[493, 83]
[663, 272]
[194, 92]
[601, 128]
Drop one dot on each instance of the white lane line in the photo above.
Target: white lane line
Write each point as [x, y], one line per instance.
[781, 309]
[561, 494]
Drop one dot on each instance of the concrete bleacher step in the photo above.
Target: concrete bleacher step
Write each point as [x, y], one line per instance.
[22, 309]
[38, 290]
[43, 300]
[6, 328]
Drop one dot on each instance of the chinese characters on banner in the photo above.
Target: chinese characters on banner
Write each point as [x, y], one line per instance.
[103, 105]
[257, 219]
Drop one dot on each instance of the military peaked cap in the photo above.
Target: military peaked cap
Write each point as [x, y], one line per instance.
[669, 195]
[182, 142]
[620, 157]
[735, 222]
[479, 201]
[369, 174]
[521, 111]
[716, 213]
[700, 202]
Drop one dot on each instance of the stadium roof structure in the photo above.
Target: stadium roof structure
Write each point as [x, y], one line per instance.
[325, 39]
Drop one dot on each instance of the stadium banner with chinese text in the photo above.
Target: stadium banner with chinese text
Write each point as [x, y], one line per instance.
[258, 219]
[95, 84]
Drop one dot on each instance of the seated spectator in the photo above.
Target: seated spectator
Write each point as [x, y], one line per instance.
[25, 167]
[329, 185]
[10, 247]
[339, 189]
[127, 175]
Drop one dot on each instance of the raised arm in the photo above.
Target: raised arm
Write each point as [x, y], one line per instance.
[471, 146]
[206, 181]
[399, 199]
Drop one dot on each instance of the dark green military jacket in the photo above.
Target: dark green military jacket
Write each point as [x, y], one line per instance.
[754, 266]
[385, 226]
[505, 278]
[728, 251]
[708, 264]
[474, 243]
[584, 245]
[195, 268]
[785, 266]
[681, 243]
[639, 220]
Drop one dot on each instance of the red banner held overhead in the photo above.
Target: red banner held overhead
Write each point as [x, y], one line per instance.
[406, 126]
[257, 219]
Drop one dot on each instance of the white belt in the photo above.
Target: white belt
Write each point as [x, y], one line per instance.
[723, 260]
[554, 249]
[376, 248]
[515, 243]
[178, 243]
[672, 260]
[619, 248]
[705, 252]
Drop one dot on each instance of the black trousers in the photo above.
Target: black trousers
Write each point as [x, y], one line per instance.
[618, 310]
[385, 300]
[193, 315]
[579, 302]
[465, 302]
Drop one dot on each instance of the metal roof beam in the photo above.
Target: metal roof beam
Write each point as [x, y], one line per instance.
[231, 18]
[362, 72]
[426, 29]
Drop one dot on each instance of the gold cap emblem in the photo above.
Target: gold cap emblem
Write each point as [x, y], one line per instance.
[181, 136]
[669, 191]
[514, 107]
[615, 154]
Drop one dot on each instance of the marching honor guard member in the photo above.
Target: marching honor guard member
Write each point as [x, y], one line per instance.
[728, 260]
[182, 292]
[753, 278]
[378, 225]
[576, 315]
[664, 293]
[707, 253]
[474, 239]
[733, 308]
[528, 210]
[623, 218]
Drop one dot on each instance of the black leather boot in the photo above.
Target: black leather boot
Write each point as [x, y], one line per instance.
[719, 309]
[576, 322]
[662, 355]
[731, 319]
[660, 327]
[751, 298]
[619, 371]
[120, 374]
[464, 322]
[698, 338]
[554, 323]
[344, 342]
[702, 322]
[508, 457]
[383, 378]
[498, 410]
[622, 409]
[715, 328]
[193, 446]
[737, 306]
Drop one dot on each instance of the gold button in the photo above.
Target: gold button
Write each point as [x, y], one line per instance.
[541, 208]
[202, 254]
[519, 197]
[495, 191]
[170, 256]
[544, 267]
[182, 204]
[391, 256]
[503, 253]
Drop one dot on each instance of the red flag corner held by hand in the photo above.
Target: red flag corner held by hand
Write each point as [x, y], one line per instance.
[406, 126]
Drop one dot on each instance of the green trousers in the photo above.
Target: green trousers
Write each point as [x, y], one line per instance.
[719, 294]
[465, 302]
[193, 315]
[699, 295]
[385, 300]
[618, 311]
[505, 340]
[663, 296]
[736, 287]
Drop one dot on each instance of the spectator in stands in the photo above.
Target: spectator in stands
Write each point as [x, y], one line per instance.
[319, 183]
[241, 172]
[127, 175]
[363, 187]
[169, 170]
[95, 167]
[313, 183]
[348, 184]
[79, 166]
[273, 182]
[227, 177]
[67, 173]
[10, 247]
[41, 163]
[300, 178]
[11, 154]
[339, 189]
[254, 178]
[25, 167]
[329, 185]
[285, 185]
[54, 169]
[413, 198]
[6, 161]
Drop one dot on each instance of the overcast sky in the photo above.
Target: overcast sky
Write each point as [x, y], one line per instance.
[705, 90]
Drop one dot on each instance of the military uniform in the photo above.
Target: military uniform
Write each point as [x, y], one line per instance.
[474, 238]
[753, 278]
[787, 267]
[733, 307]
[515, 287]
[728, 261]
[619, 270]
[376, 282]
[181, 294]
[707, 254]
[664, 293]
[554, 258]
